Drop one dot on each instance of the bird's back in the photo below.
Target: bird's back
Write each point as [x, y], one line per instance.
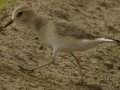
[69, 29]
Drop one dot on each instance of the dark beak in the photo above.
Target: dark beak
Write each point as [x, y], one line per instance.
[10, 22]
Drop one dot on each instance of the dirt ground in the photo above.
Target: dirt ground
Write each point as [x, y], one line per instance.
[101, 65]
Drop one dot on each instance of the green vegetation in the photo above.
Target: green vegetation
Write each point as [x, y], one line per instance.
[3, 4]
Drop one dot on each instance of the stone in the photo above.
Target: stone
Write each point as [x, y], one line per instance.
[109, 64]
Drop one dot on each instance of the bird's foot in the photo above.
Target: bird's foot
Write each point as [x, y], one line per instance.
[25, 69]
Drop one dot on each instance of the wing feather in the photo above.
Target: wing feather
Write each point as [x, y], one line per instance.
[68, 29]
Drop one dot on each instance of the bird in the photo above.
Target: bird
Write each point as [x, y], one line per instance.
[57, 34]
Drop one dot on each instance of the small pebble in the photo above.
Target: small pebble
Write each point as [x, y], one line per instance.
[109, 64]
[1, 55]
[103, 81]
[112, 71]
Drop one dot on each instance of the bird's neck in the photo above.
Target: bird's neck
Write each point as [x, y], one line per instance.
[37, 24]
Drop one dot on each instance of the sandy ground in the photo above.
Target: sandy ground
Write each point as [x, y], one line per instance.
[101, 65]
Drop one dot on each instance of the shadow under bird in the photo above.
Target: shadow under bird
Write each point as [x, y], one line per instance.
[57, 34]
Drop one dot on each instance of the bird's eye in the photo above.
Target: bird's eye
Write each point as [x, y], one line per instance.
[19, 14]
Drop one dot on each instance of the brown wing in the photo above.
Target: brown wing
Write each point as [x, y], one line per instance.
[69, 29]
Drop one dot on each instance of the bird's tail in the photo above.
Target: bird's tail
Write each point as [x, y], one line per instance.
[118, 41]
[108, 40]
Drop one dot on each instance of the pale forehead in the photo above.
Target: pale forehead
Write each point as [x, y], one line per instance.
[20, 9]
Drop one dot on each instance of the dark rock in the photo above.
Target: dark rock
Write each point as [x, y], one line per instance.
[36, 38]
[41, 47]
[119, 68]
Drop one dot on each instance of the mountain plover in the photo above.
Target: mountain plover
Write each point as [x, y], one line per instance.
[57, 34]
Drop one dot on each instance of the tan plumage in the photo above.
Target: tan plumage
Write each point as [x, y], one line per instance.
[57, 34]
[69, 29]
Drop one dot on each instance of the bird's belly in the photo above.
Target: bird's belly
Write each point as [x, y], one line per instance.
[73, 45]
[68, 44]
[76, 45]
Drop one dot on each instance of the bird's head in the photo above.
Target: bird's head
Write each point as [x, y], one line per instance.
[22, 14]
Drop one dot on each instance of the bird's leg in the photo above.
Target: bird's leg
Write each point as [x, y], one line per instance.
[80, 67]
[40, 66]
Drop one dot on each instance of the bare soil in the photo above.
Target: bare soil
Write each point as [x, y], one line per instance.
[101, 65]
